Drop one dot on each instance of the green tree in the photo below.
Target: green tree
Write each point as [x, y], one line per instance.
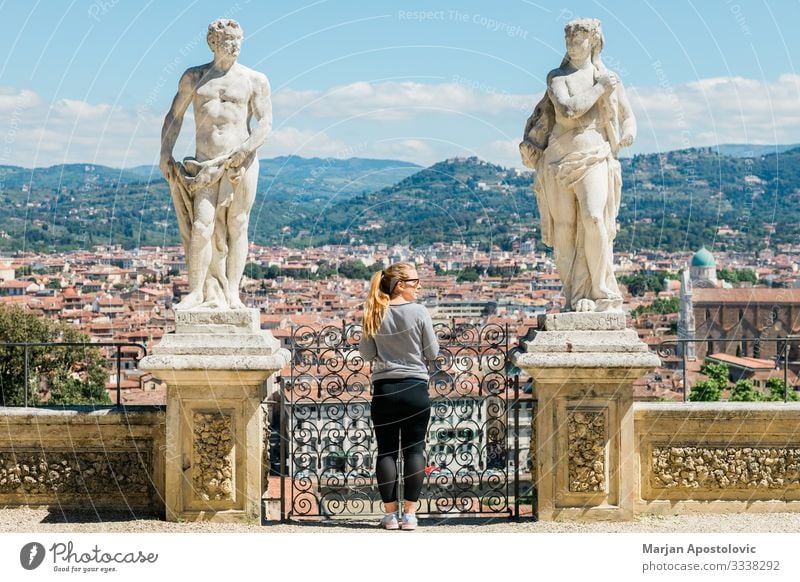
[466, 276]
[748, 276]
[69, 390]
[660, 305]
[641, 283]
[705, 391]
[71, 375]
[743, 391]
[357, 270]
[710, 390]
[737, 275]
[776, 388]
[728, 275]
[324, 271]
[717, 373]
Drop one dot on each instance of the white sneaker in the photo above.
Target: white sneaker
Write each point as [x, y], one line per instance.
[409, 521]
[389, 521]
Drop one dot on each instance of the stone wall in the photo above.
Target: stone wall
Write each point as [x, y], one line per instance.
[82, 458]
[717, 457]
[690, 457]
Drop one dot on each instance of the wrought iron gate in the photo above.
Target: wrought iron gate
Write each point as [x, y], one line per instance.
[472, 443]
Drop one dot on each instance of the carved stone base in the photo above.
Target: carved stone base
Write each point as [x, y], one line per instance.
[218, 368]
[584, 366]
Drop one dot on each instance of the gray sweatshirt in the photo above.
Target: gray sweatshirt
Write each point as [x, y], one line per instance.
[405, 339]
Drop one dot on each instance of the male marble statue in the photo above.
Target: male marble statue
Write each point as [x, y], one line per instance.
[571, 140]
[214, 191]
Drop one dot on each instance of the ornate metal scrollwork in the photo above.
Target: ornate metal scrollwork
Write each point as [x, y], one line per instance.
[331, 456]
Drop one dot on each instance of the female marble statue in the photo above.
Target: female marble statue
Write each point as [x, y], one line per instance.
[571, 140]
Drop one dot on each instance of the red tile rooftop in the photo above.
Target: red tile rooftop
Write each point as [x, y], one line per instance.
[746, 295]
[110, 301]
[744, 363]
[15, 284]
[19, 300]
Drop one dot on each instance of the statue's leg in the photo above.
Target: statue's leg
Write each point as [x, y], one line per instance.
[592, 194]
[216, 288]
[204, 202]
[238, 221]
[563, 208]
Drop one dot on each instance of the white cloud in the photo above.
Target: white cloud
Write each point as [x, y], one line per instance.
[503, 151]
[718, 110]
[420, 122]
[71, 109]
[285, 141]
[407, 149]
[41, 133]
[393, 100]
[12, 100]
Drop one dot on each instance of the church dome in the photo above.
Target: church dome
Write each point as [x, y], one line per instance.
[703, 258]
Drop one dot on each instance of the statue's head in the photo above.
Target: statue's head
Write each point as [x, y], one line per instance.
[584, 34]
[225, 36]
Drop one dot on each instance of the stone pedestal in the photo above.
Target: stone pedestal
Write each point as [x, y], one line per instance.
[218, 366]
[584, 366]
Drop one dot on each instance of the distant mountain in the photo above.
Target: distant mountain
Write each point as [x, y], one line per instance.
[65, 176]
[285, 176]
[753, 151]
[316, 180]
[147, 172]
[684, 199]
[672, 201]
[75, 205]
[461, 199]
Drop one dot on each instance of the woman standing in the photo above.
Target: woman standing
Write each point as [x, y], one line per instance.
[398, 338]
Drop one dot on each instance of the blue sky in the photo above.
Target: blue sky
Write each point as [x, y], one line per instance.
[89, 81]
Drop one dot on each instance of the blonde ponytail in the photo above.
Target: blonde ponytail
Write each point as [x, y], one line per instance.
[381, 287]
[376, 305]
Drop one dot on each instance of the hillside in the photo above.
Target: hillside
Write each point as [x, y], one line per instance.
[78, 205]
[69, 175]
[683, 199]
[744, 150]
[463, 200]
[673, 201]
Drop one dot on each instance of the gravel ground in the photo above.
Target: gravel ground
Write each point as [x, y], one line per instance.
[53, 521]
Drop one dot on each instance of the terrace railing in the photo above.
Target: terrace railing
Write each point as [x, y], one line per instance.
[472, 443]
[116, 356]
[784, 344]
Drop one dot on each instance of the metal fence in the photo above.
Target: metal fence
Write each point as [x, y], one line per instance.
[472, 443]
[28, 368]
[784, 344]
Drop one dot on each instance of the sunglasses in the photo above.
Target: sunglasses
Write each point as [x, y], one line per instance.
[411, 282]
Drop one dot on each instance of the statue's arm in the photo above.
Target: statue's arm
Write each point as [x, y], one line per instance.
[627, 119]
[574, 106]
[261, 107]
[174, 120]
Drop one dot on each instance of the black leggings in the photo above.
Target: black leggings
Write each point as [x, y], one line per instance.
[400, 413]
